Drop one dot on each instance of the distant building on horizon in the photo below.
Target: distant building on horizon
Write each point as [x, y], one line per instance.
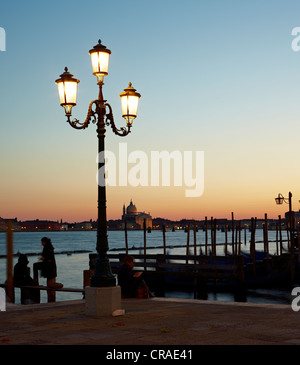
[135, 219]
[4, 222]
[39, 225]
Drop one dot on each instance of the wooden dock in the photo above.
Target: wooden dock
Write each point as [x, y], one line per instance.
[185, 271]
[199, 273]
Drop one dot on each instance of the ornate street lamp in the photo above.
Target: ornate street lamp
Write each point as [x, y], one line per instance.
[279, 200]
[67, 89]
[97, 113]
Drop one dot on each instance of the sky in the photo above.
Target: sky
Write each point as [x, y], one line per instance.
[217, 76]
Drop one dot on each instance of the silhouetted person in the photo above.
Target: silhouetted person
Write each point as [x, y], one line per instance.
[22, 278]
[131, 282]
[48, 269]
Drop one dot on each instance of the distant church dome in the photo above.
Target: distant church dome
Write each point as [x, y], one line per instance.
[131, 209]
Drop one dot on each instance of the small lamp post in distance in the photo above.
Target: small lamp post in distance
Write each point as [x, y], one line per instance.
[279, 200]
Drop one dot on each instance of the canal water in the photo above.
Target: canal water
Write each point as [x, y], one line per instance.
[71, 264]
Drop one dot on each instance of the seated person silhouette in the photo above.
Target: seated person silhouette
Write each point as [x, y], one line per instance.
[131, 282]
[23, 278]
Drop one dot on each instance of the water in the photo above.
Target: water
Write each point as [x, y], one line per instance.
[70, 267]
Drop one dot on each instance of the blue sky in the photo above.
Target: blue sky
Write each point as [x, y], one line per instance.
[216, 76]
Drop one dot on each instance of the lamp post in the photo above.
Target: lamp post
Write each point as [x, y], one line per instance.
[98, 114]
[279, 200]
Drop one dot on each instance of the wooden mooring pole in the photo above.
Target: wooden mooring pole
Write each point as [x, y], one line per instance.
[252, 244]
[266, 242]
[212, 235]
[215, 238]
[164, 239]
[126, 239]
[240, 230]
[9, 252]
[226, 238]
[195, 240]
[298, 239]
[145, 242]
[206, 236]
[188, 241]
[277, 249]
[288, 235]
[280, 234]
[232, 227]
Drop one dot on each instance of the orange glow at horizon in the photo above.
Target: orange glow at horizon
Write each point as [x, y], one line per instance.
[165, 203]
[69, 192]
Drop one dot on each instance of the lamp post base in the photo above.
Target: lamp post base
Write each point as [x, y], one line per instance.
[102, 282]
[103, 276]
[102, 301]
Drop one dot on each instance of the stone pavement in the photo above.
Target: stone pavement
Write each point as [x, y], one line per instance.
[155, 321]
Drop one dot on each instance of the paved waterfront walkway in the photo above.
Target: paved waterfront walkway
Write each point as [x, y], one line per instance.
[152, 321]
